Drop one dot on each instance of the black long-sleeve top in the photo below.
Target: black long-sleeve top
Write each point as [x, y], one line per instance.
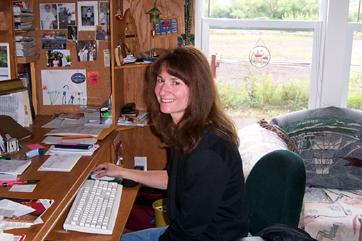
[206, 196]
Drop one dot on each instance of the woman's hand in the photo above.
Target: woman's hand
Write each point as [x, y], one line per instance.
[109, 169]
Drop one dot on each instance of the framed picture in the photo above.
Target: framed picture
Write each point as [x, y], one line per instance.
[167, 26]
[66, 15]
[48, 16]
[4, 62]
[87, 15]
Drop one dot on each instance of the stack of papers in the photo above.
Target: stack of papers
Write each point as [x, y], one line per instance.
[60, 162]
[84, 152]
[51, 140]
[13, 167]
[76, 131]
[22, 213]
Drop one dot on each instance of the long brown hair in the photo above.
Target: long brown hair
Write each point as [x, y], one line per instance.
[204, 110]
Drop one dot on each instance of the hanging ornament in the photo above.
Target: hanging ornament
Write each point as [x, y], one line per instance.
[154, 14]
[259, 55]
[119, 15]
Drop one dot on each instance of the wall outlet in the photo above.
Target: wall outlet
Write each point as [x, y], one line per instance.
[140, 162]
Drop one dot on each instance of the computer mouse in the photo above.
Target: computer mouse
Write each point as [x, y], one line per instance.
[104, 178]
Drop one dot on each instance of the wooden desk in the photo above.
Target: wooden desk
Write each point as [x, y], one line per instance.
[62, 187]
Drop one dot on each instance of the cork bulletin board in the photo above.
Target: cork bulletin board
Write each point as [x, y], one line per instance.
[72, 39]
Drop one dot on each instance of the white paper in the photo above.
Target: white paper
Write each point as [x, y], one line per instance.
[52, 140]
[15, 167]
[64, 87]
[23, 188]
[6, 237]
[17, 208]
[13, 105]
[60, 162]
[63, 122]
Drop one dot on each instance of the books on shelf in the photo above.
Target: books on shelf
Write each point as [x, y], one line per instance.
[139, 119]
[22, 213]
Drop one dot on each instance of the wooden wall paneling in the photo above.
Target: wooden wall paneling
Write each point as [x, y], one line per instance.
[116, 74]
[97, 93]
[140, 141]
[134, 83]
[144, 27]
[117, 94]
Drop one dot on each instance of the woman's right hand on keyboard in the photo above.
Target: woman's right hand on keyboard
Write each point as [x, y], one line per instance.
[109, 169]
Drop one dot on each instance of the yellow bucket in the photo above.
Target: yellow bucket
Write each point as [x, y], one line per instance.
[160, 208]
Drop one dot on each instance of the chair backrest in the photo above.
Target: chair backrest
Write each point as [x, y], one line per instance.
[275, 190]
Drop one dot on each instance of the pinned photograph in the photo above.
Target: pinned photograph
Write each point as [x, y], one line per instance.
[72, 32]
[48, 16]
[101, 33]
[54, 40]
[103, 13]
[87, 50]
[58, 58]
[66, 15]
[4, 61]
[88, 15]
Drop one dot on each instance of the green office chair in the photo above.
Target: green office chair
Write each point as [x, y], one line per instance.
[275, 190]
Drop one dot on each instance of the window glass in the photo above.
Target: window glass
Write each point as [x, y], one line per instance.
[271, 9]
[354, 11]
[252, 88]
[355, 77]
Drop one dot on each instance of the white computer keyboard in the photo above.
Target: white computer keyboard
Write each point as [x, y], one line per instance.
[95, 208]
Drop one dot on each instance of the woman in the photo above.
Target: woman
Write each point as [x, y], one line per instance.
[204, 176]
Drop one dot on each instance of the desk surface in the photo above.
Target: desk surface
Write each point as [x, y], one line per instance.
[62, 187]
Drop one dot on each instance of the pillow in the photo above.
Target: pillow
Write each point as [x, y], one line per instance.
[255, 142]
[330, 142]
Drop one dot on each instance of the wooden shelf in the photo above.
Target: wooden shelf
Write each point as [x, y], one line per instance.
[130, 66]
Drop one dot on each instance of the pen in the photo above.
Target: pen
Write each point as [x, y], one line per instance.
[18, 182]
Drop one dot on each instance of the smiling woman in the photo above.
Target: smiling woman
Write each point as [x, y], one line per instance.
[184, 107]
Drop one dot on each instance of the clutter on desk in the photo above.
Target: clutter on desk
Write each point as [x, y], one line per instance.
[8, 144]
[22, 213]
[34, 152]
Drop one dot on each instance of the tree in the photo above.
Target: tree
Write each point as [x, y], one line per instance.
[270, 9]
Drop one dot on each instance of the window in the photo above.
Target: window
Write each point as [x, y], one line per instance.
[322, 33]
[355, 76]
[252, 91]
